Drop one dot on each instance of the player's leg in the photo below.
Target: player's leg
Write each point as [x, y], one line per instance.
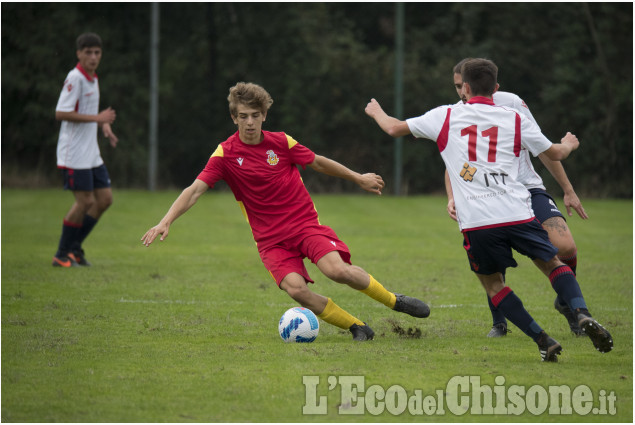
[499, 323]
[75, 180]
[295, 285]
[490, 254]
[564, 282]
[560, 236]
[507, 302]
[103, 199]
[332, 257]
[287, 268]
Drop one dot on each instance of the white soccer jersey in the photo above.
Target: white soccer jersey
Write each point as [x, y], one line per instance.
[77, 145]
[480, 144]
[526, 173]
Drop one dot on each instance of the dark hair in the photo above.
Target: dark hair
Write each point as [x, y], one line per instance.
[481, 75]
[248, 94]
[88, 39]
[458, 66]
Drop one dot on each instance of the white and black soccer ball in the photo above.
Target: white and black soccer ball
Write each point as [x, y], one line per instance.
[298, 324]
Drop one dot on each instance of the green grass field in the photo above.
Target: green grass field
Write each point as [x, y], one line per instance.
[186, 330]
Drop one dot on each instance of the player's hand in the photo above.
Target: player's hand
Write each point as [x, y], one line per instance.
[571, 140]
[373, 108]
[110, 135]
[452, 210]
[107, 116]
[571, 201]
[372, 182]
[160, 229]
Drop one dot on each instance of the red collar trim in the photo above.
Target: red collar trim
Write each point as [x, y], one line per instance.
[481, 99]
[83, 71]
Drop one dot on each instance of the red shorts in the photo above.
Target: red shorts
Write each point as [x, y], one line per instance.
[313, 243]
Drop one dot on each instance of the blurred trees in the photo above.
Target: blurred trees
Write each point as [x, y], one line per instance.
[321, 62]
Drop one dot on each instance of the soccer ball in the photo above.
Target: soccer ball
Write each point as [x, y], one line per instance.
[298, 324]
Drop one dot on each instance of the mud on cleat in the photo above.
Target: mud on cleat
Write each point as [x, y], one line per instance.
[411, 306]
[568, 314]
[362, 333]
[601, 338]
[549, 348]
[498, 330]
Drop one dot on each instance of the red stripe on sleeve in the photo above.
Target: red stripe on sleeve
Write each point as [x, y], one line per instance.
[517, 137]
[442, 140]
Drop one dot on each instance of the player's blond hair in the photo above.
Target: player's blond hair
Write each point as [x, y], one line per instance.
[248, 94]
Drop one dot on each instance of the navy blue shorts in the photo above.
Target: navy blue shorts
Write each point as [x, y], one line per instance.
[543, 205]
[86, 180]
[490, 250]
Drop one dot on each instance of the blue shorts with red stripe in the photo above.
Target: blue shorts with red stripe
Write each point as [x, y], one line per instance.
[490, 250]
[313, 243]
[87, 179]
[543, 205]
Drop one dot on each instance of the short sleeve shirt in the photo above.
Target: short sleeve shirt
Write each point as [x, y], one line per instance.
[480, 144]
[77, 146]
[266, 183]
[527, 175]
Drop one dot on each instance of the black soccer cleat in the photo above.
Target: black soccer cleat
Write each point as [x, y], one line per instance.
[411, 306]
[80, 258]
[568, 314]
[549, 348]
[601, 338]
[65, 261]
[498, 330]
[362, 333]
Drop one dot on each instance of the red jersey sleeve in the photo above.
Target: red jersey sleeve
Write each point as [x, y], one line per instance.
[213, 171]
[300, 154]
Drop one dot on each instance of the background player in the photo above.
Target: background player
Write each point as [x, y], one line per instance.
[260, 167]
[480, 144]
[542, 203]
[78, 153]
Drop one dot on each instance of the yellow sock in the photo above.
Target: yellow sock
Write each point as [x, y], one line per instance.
[336, 316]
[377, 292]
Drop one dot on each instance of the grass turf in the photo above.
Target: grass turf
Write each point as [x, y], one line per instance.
[186, 330]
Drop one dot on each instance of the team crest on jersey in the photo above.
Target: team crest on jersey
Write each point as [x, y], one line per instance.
[272, 158]
[468, 172]
[69, 87]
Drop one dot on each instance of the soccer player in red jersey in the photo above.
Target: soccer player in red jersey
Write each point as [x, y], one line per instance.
[481, 144]
[261, 169]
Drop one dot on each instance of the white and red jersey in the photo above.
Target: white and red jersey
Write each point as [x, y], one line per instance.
[77, 145]
[526, 173]
[480, 144]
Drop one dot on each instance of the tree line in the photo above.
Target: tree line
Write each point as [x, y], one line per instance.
[322, 63]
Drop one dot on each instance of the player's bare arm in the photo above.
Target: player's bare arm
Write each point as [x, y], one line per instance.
[184, 202]
[109, 134]
[392, 126]
[370, 182]
[560, 151]
[108, 116]
[451, 205]
[571, 199]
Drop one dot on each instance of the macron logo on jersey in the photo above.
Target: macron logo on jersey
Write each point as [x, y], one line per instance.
[240, 161]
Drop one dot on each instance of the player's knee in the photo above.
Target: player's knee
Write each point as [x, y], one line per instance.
[339, 273]
[104, 203]
[568, 249]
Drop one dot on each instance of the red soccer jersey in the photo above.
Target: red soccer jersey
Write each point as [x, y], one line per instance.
[266, 183]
